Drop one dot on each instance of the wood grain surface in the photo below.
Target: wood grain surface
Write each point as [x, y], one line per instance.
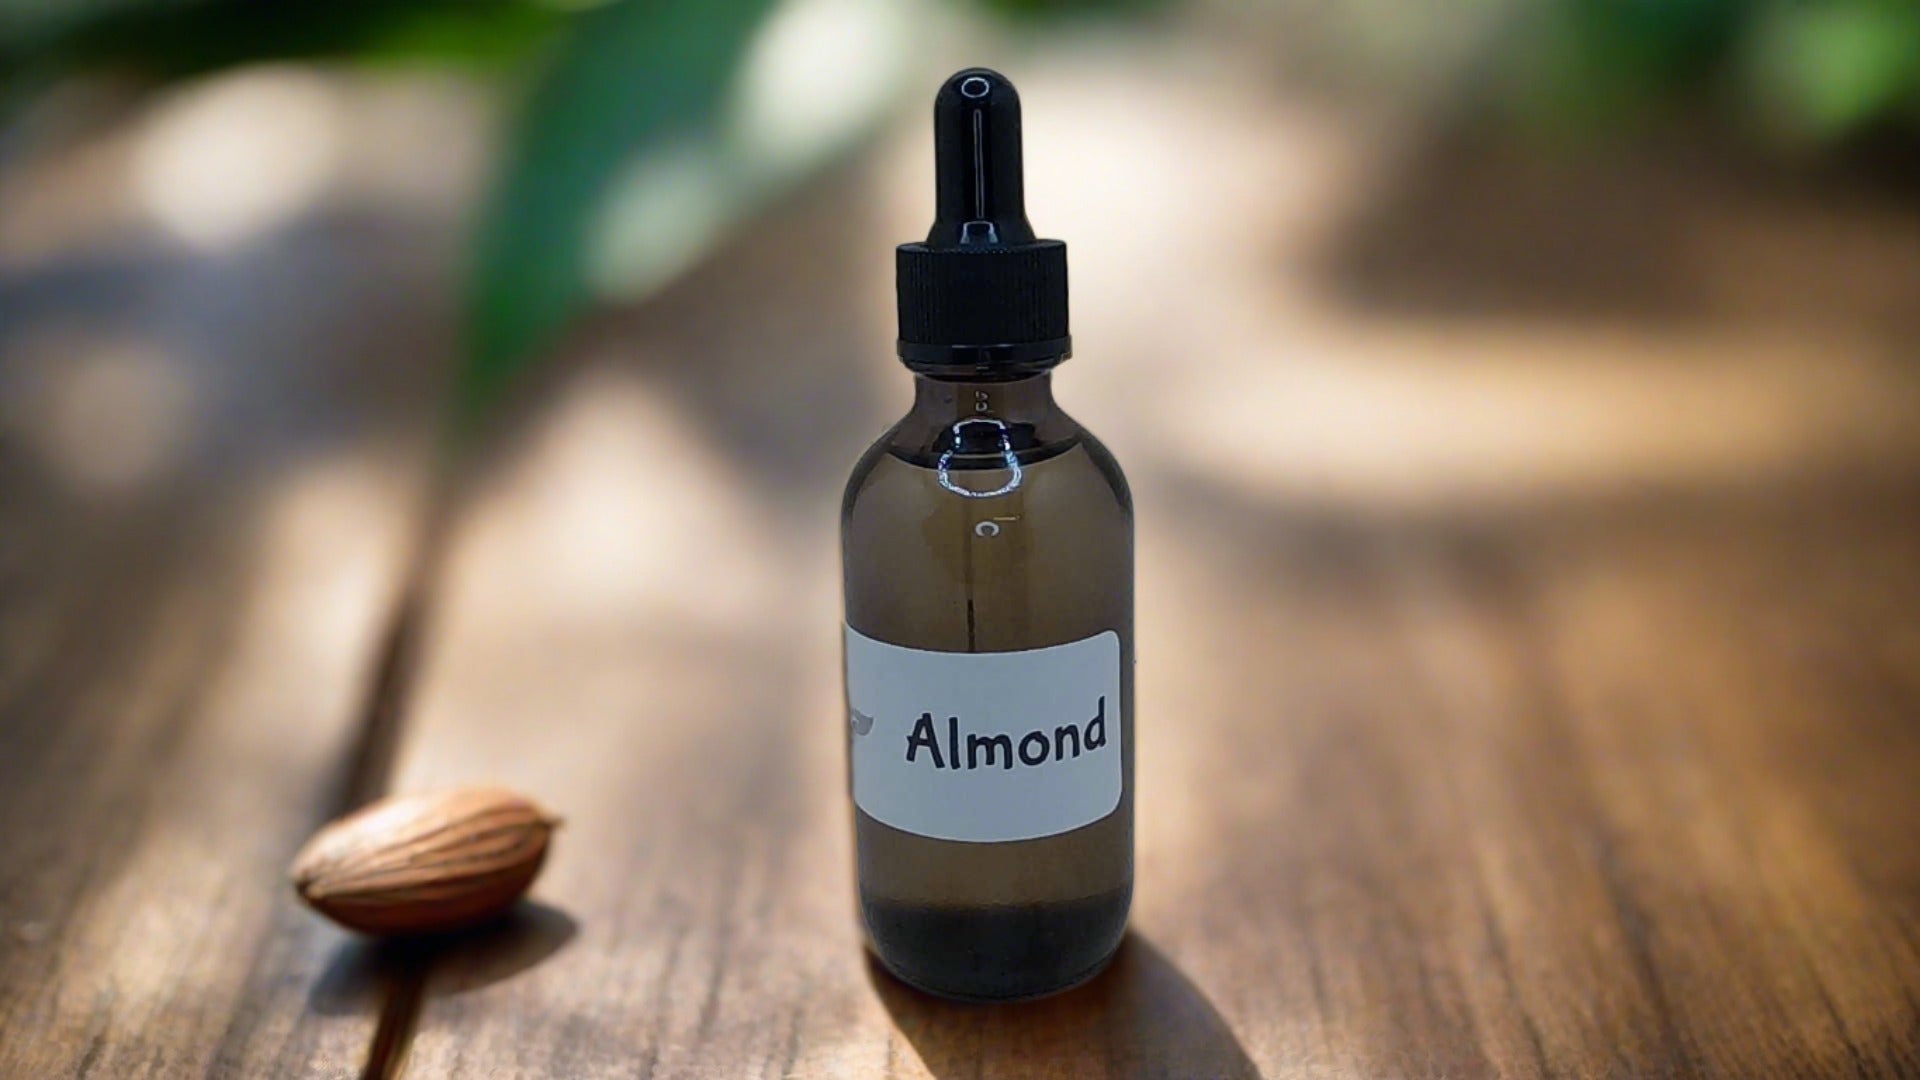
[190, 622]
[1518, 698]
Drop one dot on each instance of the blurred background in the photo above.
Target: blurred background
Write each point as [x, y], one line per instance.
[1379, 257]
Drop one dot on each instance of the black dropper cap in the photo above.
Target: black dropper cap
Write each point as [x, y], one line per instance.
[981, 296]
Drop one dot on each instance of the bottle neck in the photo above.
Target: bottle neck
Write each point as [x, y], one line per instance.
[943, 403]
[979, 424]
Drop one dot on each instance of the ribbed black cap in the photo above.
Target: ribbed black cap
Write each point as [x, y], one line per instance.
[981, 295]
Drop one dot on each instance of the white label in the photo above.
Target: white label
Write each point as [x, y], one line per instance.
[985, 747]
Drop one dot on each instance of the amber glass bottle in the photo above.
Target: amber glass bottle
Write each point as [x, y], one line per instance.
[988, 547]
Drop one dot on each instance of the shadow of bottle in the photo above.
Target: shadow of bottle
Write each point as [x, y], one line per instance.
[1140, 1018]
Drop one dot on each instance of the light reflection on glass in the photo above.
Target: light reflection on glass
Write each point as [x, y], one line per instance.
[1006, 452]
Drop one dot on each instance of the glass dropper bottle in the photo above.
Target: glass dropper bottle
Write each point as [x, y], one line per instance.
[988, 563]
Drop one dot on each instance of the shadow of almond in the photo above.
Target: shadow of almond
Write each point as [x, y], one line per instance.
[1140, 1018]
[365, 971]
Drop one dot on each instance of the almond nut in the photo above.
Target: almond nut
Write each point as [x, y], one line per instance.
[424, 863]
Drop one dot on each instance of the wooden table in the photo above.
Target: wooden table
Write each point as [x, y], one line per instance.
[1596, 764]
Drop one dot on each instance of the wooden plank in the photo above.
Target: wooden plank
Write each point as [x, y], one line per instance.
[188, 626]
[1760, 793]
[658, 676]
[1541, 788]
[1491, 846]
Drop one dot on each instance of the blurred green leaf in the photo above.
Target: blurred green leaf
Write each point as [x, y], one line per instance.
[1823, 71]
[628, 76]
[662, 125]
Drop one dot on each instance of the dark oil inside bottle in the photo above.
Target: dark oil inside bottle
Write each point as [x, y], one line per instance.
[989, 521]
[997, 954]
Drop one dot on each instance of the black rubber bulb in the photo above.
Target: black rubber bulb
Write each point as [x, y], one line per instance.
[980, 197]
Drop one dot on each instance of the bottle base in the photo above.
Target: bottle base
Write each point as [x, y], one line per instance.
[997, 954]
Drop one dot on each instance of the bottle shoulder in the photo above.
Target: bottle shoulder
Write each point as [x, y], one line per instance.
[915, 467]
